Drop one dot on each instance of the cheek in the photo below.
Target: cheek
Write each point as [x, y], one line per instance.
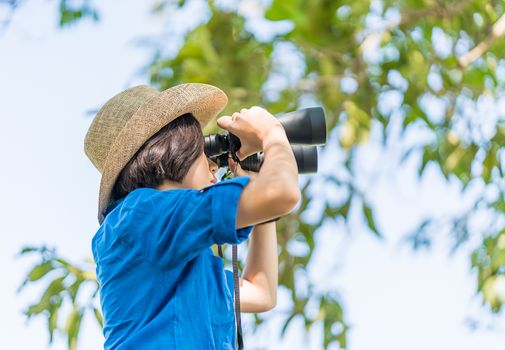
[198, 174]
[204, 170]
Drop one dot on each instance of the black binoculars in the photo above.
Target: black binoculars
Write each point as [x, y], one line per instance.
[303, 127]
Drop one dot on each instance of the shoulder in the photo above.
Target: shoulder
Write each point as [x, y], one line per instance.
[146, 197]
[140, 201]
[150, 201]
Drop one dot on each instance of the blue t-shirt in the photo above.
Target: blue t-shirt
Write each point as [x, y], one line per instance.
[161, 286]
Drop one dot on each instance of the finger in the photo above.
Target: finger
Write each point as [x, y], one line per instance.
[240, 155]
[231, 164]
[241, 172]
[225, 122]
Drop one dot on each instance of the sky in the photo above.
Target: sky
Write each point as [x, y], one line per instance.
[394, 298]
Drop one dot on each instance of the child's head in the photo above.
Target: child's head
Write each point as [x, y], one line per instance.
[149, 138]
[173, 157]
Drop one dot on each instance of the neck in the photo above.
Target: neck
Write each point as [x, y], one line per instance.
[169, 185]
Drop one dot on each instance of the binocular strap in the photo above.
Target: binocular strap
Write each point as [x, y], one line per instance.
[240, 341]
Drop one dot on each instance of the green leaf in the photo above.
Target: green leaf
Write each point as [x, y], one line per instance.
[367, 211]
[427, 156]
[40, 271]
[334, 327]
[28, 250]
[499, 204]
[344, 209]
[70, 15]
[73, 289]
[72, 327]
[285, 326]
[282, 10]
[52, 321]
[356, 129]
[98, 316]
[489, 162]
[54, 288]
[287, 277]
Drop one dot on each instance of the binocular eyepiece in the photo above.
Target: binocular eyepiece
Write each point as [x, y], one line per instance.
[303, 127]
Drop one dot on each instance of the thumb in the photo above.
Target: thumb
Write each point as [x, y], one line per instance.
[225, 122]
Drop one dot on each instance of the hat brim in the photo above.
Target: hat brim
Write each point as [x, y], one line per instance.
[204, 101]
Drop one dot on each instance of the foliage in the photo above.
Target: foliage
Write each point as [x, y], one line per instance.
[70, 13]
[374, 66]
[489, 259]
[64, 282]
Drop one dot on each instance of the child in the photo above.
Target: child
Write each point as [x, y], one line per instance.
[161, 209]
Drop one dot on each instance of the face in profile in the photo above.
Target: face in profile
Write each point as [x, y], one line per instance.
[201, 174]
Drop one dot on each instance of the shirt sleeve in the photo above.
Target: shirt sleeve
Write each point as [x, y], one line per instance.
[181, 223]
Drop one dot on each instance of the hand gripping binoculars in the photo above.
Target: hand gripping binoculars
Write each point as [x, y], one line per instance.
[305, 129]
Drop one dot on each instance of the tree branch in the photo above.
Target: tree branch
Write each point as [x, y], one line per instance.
[440, 11]
[497, 31]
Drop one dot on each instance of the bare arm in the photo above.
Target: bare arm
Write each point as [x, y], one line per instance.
[275, 191]
[258, 285]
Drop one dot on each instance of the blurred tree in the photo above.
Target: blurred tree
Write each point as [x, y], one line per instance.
[69, 11]
[67, 280]
[378, 68]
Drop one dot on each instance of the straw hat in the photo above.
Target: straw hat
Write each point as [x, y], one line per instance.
[131, 117]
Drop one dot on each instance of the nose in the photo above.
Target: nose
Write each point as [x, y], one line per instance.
[214, 178]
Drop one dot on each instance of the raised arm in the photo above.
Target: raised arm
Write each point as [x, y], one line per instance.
[275, 191]
[258, 285]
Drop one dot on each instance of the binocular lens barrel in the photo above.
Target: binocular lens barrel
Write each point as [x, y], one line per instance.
[305, 156]
[305, 126]
[306, 160]
[216, 144]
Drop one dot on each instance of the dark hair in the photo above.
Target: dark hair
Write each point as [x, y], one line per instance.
[167, 155]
